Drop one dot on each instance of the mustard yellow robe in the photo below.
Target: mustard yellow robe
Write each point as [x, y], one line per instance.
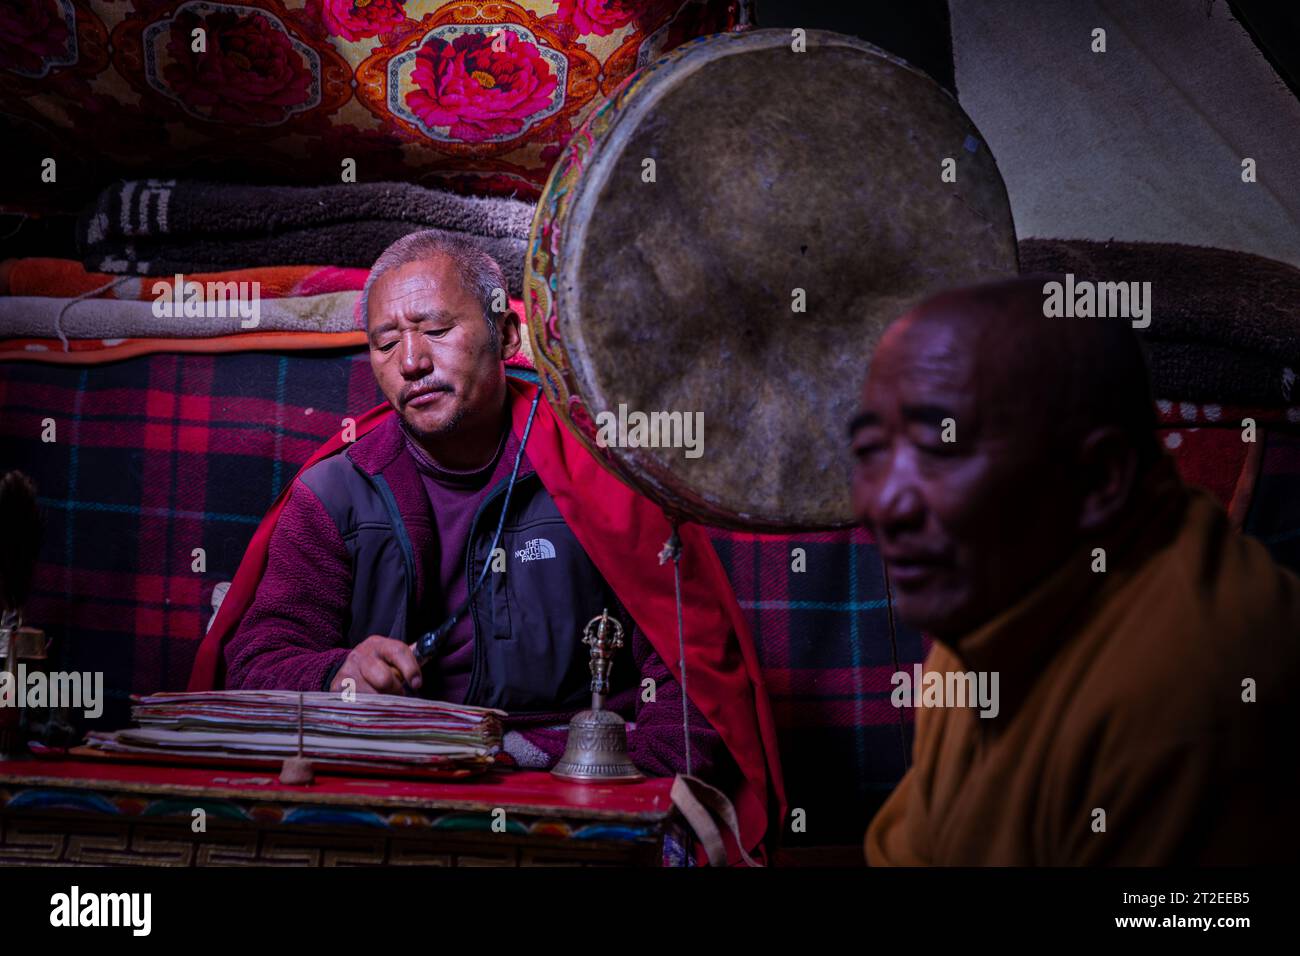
[1126, 692]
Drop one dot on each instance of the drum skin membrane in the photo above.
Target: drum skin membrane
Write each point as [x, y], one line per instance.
[774, 171]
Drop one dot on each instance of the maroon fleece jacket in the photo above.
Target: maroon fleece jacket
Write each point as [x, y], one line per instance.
[293, 636]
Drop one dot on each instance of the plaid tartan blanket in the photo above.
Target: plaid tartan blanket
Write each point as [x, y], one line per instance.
[161, 466]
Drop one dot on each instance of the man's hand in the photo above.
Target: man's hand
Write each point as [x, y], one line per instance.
[380, 665]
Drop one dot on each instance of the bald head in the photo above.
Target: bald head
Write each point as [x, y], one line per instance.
[1049, 378]
[991, 442]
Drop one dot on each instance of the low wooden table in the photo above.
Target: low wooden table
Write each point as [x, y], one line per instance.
[92, 813]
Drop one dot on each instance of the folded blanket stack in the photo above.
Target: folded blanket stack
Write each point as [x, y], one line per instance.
[157, 227]
[1224, 326]
[33, 317]
[263, 267]
[67, 278]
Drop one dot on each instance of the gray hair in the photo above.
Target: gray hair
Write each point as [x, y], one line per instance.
[479, 273]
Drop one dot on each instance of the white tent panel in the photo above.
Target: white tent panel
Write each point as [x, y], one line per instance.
[1142, 142]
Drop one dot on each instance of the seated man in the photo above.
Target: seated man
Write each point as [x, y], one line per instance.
[1029, 520]
[377, 545]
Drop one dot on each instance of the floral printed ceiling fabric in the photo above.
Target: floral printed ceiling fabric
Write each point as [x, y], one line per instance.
[477, 96]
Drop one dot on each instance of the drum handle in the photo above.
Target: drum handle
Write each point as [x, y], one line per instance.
[700, 803]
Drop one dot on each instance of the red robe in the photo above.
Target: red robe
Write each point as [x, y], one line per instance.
[623, 533]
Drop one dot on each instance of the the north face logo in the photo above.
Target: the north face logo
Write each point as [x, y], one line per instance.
[539, 549]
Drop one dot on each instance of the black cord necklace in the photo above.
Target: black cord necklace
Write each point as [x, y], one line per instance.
[426, 646]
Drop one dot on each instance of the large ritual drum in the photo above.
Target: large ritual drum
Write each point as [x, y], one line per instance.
[726, 239]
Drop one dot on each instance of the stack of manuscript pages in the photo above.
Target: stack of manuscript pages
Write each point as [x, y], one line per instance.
[365, 732]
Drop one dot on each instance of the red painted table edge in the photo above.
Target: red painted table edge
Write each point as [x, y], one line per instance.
[521, 791]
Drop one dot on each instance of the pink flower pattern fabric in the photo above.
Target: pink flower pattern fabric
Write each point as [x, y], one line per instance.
[30, 32]
[480, 85]
[474, 95]
[248, 70]
[600, 17]
[358, 19]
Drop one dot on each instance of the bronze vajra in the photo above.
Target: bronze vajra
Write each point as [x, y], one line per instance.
[604, 635]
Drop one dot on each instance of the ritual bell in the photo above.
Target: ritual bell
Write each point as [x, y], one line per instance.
[596, 750]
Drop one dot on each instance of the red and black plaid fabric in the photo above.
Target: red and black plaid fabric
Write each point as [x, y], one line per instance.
[817, 605]
[153, 458]
[157, 456]
[1274, 515]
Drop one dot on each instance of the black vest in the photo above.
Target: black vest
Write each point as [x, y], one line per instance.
[528, 619]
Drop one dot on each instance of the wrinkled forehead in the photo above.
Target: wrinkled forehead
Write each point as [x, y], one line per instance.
[415, 289]
[921, 359]
[997, 374]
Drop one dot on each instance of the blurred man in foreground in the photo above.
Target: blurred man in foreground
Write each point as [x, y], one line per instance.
[1028, 520]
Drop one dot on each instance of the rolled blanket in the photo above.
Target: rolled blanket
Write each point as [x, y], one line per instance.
[1218, 297]
[1207, 373]
[41, 317]
[65, 278]
[156, 227]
